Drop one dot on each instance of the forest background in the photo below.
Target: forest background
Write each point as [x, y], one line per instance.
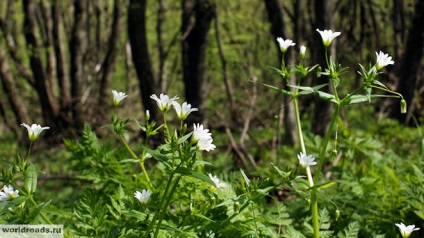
[59, 61]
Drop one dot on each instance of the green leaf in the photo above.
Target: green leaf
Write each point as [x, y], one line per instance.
[277, 89]
[140, 125]
[37, 211]
[194, 174]
[325, 185]
[379, 84]
[246, 179]
[31, 179]
[307, 90]
[327, 97]
[158, 156]
[351, 231]
[184, 138]
[15, 202]
[283, 174]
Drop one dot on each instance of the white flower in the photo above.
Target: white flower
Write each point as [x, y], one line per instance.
[144, 196]
[206, 144]
[383, 60]
[164, 102]
[200, 133]
[34, 130]
[284, 44]
[302, 51]
[203, 138]
[306, 160]
[183, 110]
[118, 97]
[406, 230]
[8, 193]
[328, 36]
[216, 181]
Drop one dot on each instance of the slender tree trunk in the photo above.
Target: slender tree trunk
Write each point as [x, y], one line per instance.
[322, 111]
[278, 28]
[49, 106]
[140, 55]
[78, 48]
[194, 43]
[18, 107]
[61, 68]
[108, 62]
[411, 63]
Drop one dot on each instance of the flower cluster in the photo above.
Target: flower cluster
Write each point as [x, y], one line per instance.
[203, 138]
[143, 196]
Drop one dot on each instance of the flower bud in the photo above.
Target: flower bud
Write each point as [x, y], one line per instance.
[147, 115]
[403, 106]
[236, 207]
[337, 214]
[302, 51]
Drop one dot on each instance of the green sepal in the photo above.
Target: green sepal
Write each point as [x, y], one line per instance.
[31, 179]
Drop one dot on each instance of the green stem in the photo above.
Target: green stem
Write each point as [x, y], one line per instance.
[314, 202]
[168, 200]
[324, 144]
[162, 202]
[351, 94]
[298, 125]
[29, 150]
[315, 215]
[149, 183]
[387, 90]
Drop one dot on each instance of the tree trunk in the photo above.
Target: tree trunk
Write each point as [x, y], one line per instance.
[61, 68]
[411, 63]
[78, 48]
[9, 86]
[49, 106]
[194, 43]
[140, 55]
[278, 27]
[322, 111]
[108, 62]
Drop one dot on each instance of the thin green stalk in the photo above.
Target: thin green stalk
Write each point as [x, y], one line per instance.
[164, 198]
[324, 144]
[315, 215]
[168, 200]
[149, 183]
[314, 202]
[29, 150]
[387, 90]
[298, 124]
